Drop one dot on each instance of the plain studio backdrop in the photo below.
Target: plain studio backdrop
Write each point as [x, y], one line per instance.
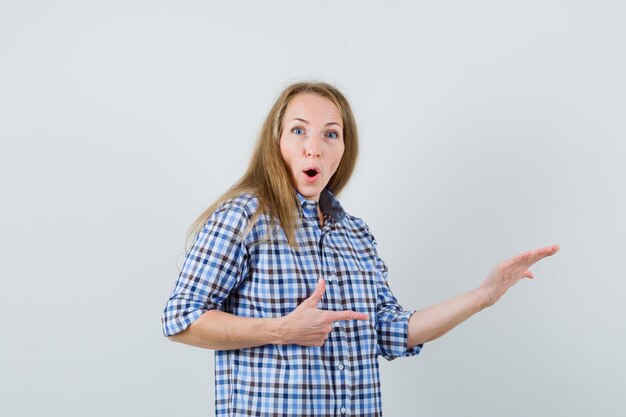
[487, 128]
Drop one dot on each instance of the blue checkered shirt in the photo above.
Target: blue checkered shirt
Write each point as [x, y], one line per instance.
[246, 276]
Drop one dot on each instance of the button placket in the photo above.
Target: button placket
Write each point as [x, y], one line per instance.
[333, 298]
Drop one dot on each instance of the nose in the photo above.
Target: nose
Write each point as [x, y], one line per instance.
[313, 147]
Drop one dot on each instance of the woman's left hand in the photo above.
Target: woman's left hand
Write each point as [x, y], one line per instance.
[509, 272]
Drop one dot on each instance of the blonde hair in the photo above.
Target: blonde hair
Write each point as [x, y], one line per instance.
[267, 176]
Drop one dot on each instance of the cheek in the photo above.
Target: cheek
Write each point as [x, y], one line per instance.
[338, 157]
[282, 145]
[286, 152]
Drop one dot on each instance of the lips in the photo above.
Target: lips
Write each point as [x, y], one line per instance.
[311, 174]
[311, 171]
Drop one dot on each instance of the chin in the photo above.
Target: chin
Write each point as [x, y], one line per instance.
[310, 193]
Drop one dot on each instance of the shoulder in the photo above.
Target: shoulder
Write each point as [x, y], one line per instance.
[244, 204]
[234, 213]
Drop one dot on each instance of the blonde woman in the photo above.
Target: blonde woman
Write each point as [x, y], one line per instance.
[288, 288]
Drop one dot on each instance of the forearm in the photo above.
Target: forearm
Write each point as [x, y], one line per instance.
[435, 321]
[219, 330]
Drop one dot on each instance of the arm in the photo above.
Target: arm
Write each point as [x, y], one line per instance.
[216, 329]
[435, 321]
[306, 326]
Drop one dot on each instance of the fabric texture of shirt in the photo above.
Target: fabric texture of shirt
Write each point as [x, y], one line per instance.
[251, 277]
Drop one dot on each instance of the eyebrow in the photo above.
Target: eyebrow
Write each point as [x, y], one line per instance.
[327, 124]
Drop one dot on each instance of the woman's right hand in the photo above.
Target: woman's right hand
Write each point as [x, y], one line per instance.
[309, 326]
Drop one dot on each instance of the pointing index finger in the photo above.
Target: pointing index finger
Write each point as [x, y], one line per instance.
[332, 316]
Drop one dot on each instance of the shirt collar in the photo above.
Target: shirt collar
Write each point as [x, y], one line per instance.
[328, 203]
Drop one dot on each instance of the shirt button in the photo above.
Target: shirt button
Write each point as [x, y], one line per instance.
[341, 369]
[330, 278]
[343, 410]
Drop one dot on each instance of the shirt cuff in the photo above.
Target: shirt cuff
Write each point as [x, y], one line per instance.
[393, 337]
[173, 324]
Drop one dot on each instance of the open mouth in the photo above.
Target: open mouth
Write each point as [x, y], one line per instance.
[311, 172]
[311, 175]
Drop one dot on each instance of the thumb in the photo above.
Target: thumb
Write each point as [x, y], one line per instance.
[317, 295]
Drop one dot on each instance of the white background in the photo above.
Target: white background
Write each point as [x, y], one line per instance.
[487, 128]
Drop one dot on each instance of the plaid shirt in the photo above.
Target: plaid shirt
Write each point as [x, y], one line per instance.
[250, 278]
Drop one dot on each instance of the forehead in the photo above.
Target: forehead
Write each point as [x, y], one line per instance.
[313, 108]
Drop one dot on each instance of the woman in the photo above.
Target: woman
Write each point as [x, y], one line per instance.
[288, 288]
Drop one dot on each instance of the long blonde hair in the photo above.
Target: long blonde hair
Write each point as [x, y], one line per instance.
[267, 176]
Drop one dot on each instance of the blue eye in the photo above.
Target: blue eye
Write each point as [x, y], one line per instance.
[298, 130]
[332, 135]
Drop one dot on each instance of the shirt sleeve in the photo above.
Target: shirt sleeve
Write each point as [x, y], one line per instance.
[391, 320]
[215, 264]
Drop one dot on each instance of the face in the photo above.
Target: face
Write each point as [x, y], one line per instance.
[311, 142]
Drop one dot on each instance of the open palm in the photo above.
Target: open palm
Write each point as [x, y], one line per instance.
[508, 273]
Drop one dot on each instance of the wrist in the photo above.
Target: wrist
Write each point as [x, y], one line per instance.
[481, 299]
[275, 330]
